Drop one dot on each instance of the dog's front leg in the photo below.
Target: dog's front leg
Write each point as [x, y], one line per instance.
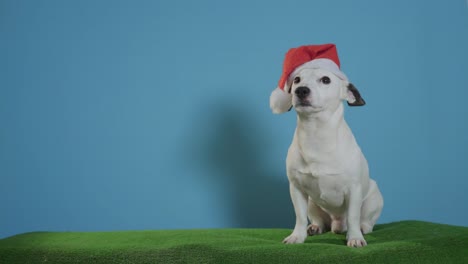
[299, 200]
[354, 235]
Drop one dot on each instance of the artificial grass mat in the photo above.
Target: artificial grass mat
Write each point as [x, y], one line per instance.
[399, 242]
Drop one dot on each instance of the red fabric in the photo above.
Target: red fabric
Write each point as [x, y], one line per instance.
[295, 57]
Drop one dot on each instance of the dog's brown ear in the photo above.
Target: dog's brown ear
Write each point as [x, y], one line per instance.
[354, 97]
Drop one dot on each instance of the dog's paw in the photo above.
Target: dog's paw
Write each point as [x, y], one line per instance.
[313, 230]
[357, 242]
[294, 239]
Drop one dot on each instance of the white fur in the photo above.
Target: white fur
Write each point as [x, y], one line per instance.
[328, 174]
[322, 63]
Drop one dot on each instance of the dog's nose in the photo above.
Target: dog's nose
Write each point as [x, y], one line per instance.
[302, 92]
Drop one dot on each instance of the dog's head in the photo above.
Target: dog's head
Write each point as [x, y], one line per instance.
[314, 90]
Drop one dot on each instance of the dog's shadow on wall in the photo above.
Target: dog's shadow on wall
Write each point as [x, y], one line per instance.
[232, 152]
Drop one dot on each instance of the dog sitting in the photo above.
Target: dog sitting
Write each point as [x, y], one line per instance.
[328, 174]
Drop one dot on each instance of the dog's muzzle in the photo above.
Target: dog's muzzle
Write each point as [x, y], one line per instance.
[302, 92]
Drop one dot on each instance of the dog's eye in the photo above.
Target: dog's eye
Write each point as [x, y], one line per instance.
[297, 80]
[325, 80]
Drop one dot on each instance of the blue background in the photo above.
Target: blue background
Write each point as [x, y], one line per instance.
[155, 114]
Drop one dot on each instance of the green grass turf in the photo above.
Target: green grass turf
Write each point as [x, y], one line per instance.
[399, 242]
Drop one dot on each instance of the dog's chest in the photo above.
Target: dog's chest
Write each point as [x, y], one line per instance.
[326, 190]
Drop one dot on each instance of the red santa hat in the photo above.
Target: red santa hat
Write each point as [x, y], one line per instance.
[313, 56]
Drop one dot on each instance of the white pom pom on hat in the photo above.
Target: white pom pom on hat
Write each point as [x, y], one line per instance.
[323, 56]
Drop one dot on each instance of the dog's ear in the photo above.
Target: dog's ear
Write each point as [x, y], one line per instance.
[353, 96]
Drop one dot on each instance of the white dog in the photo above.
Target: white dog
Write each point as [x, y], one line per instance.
[327, 172]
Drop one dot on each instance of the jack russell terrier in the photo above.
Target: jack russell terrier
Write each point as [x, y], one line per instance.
[328, 174]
